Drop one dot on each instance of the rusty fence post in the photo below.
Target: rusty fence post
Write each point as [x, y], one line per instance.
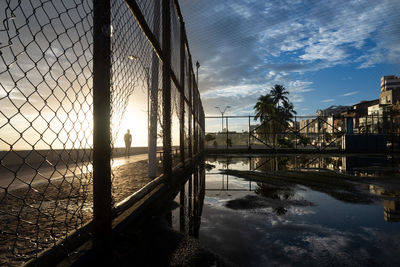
[101, 122]
[166, 90]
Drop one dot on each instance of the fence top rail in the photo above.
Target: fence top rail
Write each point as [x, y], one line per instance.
[302, 116]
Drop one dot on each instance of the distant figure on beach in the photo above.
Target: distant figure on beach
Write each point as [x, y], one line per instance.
[128, 142]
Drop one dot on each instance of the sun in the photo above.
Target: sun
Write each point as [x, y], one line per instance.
[134, 119]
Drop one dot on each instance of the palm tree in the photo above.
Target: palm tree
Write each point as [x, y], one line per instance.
[278, 93]
[264, 107]
[288, 111]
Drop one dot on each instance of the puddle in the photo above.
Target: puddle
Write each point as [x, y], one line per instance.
[281, 222]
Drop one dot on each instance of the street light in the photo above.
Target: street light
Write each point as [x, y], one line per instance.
[197, 66]
[222, 118]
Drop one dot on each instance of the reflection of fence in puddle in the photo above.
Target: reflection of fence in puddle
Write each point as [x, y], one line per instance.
[229, 183]
[353, 165]
[187, 217]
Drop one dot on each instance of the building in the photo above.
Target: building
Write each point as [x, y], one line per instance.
[390, 90]
[361, 109]
[332, 111]
[360, 113]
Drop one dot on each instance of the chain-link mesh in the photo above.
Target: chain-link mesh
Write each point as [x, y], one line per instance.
[312, 133]
[46, 115]
[175, 42]
[131, 80]
[45, 123]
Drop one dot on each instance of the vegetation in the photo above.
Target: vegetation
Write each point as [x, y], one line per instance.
[209, 137]
[275, 112]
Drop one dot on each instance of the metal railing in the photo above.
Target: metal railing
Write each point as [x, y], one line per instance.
[313, 133]
[67, 71]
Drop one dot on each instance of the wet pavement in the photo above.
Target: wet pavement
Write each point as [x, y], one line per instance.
[25, 174]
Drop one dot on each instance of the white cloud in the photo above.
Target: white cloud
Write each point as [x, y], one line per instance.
[242, 10]
[247, 47]
[327, 100]
[350, 93]
[233, 91]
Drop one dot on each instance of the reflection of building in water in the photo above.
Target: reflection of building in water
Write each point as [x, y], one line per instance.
[364, 165]
[295, 162]
[354, 165]
[391, 210]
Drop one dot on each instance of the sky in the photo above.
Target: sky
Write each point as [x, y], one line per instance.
[324, 52]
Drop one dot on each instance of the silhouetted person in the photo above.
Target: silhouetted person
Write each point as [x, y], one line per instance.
[128, 142]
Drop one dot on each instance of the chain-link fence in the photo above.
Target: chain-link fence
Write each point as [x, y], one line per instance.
[70, 73]
[306, 133]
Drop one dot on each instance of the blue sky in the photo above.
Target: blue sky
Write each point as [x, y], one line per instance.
[323, 52]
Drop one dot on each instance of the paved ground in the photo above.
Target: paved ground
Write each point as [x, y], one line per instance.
[17, 177]
[153, 243]
[41, 207]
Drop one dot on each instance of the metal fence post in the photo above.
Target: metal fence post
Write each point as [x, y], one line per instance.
[191, 113]
[195, 201]
[318, 133]
[152, 153]
[166, 90]
[101, 121]
[190, 199]
[182, 96]
[196, 118]
[203, 127]
[295, 131]
[248, 137]
[182, 209]
[227, 133]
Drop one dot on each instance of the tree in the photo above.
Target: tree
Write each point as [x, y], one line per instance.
[264, 107]
[278, 94]
[209, 137]
[273, 116]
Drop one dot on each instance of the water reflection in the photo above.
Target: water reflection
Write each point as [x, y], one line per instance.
[366, 165]
[391, 210]
[190, 197]
[391, 207]
[279, 222]
[283, 223]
